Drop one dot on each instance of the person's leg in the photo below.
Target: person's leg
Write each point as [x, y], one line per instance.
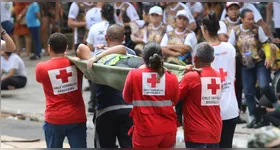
[77, 135]
[195, 145]
[37, 39]
[249, 85]
[106, 130]
[179, 112]
[168, 141]
[273, 117]
[28, 44]
[227, 133]
[54, 135]
[140, 141]
[18, 44]
[45, 29]
[16, 82]
[263, 76]
[125, 123]
[91, 103]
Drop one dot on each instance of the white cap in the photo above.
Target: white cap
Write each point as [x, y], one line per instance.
[155, 10]
[182, 13]
[231, 3]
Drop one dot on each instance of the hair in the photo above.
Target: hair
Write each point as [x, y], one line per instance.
[211, 23]
[58, 43]
[107, 12]
[204, 52]
[244, 11]
[115, 32]
[152, 57]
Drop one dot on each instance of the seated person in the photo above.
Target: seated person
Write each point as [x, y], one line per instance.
[13, 71]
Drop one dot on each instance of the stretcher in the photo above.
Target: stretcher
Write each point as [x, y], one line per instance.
[114, 76]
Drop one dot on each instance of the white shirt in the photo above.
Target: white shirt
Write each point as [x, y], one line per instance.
[168, 29]
[190, 40]
[13, 62]
[130, 12]
[73, 14]
[262, 36]
[276, 12]
[6, 11]
[93, 16]
[97, 33]
[190, 16]
[224, 63]
[223, 27]
[257, 15]
[196, 7]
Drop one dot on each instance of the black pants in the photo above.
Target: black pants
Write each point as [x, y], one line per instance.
[277, 34]
[227, 133]
[238, 83]
[112, 125]
[179, 111]
[273, 117]
[16, 81]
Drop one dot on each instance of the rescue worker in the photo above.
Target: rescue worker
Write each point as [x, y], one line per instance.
[148, 89]
[223, 63]
[201, 94]
[252, 43]
[112, 113]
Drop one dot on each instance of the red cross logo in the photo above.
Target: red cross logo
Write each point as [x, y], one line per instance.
[223, 74]
[213, 86]
[153, 80]
[63, 75]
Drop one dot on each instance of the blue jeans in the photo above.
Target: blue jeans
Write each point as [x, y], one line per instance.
[201, 145]
[249, 77]
[76, 134]
[35, 33]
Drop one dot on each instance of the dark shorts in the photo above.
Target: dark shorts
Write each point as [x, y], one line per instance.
[130, 62]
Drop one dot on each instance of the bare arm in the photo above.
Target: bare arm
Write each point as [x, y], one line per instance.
[10, 45]
[267, 31]
[192, 26]
[169, 52]
[269, 14]
[90, 46]
[181, 48]
[75, 24]
[223, 37]
[10, 74]
[38, 15]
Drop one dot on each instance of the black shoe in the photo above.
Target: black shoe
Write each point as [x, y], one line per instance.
[35, 57]
[240, 121]
[252, 124]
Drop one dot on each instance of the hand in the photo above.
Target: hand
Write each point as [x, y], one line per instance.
[267, 63]
[275, 40]
[177, 54]
[91, 61]
[191, 68]
[99, 46]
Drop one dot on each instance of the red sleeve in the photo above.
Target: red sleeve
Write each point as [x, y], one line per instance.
[176, 91]
[38, 72]
[127, 91]
[183, 87]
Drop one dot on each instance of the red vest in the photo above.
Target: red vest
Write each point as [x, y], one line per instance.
[153, 101]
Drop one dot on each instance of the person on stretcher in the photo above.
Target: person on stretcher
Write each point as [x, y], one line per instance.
[115, 54]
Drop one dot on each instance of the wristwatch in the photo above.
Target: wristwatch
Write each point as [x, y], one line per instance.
[3, 32]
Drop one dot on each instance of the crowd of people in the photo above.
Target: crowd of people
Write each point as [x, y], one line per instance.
[228, 49]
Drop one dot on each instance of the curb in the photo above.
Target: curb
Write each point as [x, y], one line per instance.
[22, 116]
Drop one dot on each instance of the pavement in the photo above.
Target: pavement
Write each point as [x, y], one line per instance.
[28, 104]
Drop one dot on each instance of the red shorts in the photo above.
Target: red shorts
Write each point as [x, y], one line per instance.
[159, 141]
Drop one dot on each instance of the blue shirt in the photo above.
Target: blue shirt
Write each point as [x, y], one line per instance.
[31, 18]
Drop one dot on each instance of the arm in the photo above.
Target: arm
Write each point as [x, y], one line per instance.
[9, 43]
[73, 13]
[168, 52]
[267, 31]
[22, 13]
[9, 74]
[74, 24]
[222, 33]
[90, 47]
[181, 48]
[37, 70]
[127, 90]
[269, 14]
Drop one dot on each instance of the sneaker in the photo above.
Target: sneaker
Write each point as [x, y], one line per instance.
[35, 57]
[252, 124]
